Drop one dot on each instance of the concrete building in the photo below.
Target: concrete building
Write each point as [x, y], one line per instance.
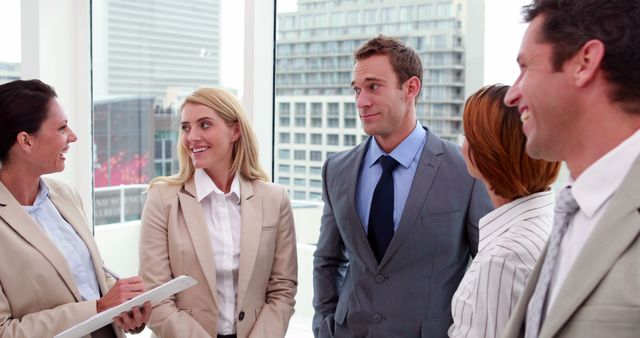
[315, 110]
[144, 47]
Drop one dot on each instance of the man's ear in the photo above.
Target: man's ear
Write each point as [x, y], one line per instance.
[411, 88]
[24, 141]
[587, 62]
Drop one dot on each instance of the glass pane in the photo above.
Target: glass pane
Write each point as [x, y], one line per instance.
[146, 57]
[10, 40]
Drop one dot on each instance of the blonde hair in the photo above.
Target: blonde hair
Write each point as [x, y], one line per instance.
[245, 149]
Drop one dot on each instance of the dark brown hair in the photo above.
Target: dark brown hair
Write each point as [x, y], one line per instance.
[497, 146]
[405, 61]
[569, 24]
[23, 107]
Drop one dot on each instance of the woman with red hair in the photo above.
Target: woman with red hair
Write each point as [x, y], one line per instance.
[512, 236]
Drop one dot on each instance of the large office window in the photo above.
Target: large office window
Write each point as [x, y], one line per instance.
[135, 126]
[10, 51]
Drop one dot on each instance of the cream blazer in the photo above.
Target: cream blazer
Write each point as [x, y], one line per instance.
[601, 295]
[38, 295]
[175, 240]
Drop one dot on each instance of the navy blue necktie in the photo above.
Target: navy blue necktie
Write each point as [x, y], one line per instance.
[381, 213]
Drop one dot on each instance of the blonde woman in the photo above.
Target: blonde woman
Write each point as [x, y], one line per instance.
[221, 222]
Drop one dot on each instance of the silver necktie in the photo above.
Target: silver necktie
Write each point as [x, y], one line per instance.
[566, 207]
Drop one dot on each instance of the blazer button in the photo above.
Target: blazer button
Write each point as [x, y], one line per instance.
[377, 319]
[380, 279]
[241, 315]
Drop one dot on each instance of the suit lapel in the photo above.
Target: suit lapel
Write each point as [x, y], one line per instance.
[617, 229]
[426, 171]
[17, 218]
[354, 229]
[250, 233]
[199, 231]
[70, 212]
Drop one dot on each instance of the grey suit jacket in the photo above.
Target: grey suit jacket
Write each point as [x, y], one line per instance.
[409, 293]
[601, 294]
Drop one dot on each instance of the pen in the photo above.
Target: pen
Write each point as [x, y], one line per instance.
[110, 272]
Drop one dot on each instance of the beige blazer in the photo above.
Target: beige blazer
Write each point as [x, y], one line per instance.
[38, 296]
[601, 295]
[175, 240]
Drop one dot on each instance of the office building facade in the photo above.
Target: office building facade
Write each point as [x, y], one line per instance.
[315, 107]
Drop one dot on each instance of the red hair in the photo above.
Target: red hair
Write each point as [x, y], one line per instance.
[497, 146]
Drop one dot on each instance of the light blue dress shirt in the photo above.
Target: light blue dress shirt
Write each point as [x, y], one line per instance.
[68, 242]
[407, 153]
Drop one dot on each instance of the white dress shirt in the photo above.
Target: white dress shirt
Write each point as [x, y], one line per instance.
[592, 190]
[67, 240]
[512, 238]
[222, 212]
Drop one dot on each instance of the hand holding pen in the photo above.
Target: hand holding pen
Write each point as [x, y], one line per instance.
[123, 290]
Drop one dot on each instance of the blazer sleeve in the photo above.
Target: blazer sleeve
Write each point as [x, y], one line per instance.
[45, 323]
[479, 205]
[329, 263]
[283, 281]
[166, 319]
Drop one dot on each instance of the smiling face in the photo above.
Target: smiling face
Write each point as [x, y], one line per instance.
[386, 107]
[51, 142]
[207, 138]
[543, 96]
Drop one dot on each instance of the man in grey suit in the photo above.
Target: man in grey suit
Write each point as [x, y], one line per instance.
[578, 94]
[400, 220]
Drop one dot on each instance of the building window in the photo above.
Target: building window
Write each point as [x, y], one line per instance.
[333, 139]
[333, 122]
[299, 169]
[315, 196]
[299, 182]
[349, 140]
[284, 138]
[284, 168]
[349, 122]
[285, 109]
[315, 170]
[316, 122]
[316, 109]
[300, 138]
[299, 195]
[316, 138]
[299, 155]
[315, 183]
[284, 180]
[315, 155]
[284, 154]
[285, 121]
[349, 109]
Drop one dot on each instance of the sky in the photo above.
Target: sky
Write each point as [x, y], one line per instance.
[503, 31]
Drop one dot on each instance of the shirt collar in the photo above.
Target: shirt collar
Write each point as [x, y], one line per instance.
[205, 187]
[404, 153]
[41, 197]
[492, 224]
[601, 179]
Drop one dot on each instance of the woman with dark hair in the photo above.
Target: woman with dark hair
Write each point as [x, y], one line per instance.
[51, 274]
[512, 236]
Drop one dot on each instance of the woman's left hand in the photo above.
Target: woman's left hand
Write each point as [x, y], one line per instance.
[134, 321]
